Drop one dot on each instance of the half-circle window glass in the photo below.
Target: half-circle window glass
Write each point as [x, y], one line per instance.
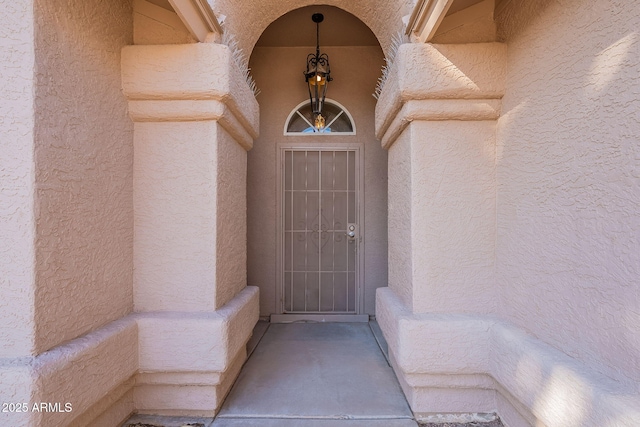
[338, 121]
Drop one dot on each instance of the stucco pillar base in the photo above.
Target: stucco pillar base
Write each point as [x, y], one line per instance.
[446, 363]
[81, 379]
[441, 360]
[189, 361]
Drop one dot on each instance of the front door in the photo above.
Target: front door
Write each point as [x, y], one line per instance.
[320, 230]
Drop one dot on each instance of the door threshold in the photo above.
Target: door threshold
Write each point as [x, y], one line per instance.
[320, 318]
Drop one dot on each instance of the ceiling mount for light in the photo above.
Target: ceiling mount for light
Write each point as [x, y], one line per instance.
[317, 18]
[317, 76]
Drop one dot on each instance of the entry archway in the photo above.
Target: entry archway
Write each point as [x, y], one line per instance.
[249, 19]
[277, 62]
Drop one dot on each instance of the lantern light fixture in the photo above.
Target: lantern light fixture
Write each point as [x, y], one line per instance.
[317, 76]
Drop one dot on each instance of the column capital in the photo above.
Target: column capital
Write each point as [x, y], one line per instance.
[452, 82]
[193, 82]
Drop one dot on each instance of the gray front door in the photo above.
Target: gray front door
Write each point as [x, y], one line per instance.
[321, 235]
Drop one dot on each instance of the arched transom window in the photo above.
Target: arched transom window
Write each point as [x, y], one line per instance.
[337, 118]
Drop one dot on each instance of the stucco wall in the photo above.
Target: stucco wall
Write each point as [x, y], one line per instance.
[66, 199]
[190, 240]
[175, 209]
[400, 238]
[453, 216]
[543, 353]
[231, 222]
[17, 171]
[278, 73]
[83, 158]
[155, 25]
[568, 175]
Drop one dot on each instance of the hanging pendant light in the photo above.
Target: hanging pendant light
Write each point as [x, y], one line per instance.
[317, 77]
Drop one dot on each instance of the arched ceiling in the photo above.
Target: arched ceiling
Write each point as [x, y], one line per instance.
[339, 28]
[248, 19]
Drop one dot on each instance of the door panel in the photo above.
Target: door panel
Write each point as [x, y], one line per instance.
[320, 204]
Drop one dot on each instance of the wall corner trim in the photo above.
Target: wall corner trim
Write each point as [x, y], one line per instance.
[198, 17]
[426, 17]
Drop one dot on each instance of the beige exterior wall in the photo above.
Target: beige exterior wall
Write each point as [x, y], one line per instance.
[278, 73]
[80, 176]
[189, 207]
[190, 186]
[17, 180]
[83, 156]
[436, 116]
[175, 207]
[453, 216]
[568, 194]
[155, 25]
[70, 210]
[513, 246]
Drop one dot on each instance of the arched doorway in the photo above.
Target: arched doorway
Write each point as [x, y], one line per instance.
[330, 265]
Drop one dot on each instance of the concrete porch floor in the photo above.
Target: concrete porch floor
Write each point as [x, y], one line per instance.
[310, 375]
[316, 374]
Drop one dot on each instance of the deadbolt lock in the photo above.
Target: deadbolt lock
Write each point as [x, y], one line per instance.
[352, 231]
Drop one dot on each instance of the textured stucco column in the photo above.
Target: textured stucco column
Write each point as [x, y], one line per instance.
[195, 117]
[437, 117]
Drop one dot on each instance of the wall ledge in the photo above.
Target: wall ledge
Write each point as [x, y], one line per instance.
[190, 111]
[534, 382]
[80, 372]
[199, 341]
[440, 110]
